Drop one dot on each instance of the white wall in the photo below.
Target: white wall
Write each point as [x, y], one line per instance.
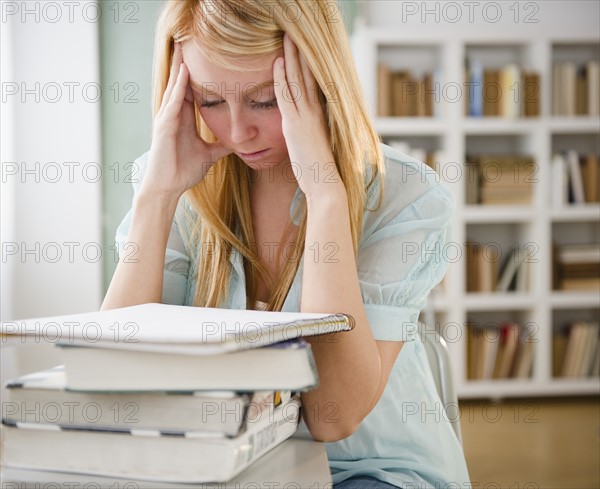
[481, 18]
[50, 125]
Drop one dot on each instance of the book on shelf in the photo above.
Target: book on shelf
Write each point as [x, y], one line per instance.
[482, 267]
[402, 94]
[576, 266]
[508, 342]
[499, 352]
[531, 94]
[575, 350]
[515, 271]
[576, 89]
[575, 178]
[187, 457]
[500, 179]
[509, 91]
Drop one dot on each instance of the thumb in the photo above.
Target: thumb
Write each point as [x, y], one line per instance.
[218, 150]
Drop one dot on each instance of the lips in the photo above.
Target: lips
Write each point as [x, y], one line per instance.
[251, 156]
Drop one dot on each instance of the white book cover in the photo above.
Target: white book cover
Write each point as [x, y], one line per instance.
[175, 329]
[575, 176]
[560, 182]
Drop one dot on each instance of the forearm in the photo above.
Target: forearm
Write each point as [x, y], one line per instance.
[138, 277]
[348, 362]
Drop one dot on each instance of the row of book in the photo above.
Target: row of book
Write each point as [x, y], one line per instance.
[499, 352]
[500, 179]
[576, 267]
[488, 271]
[575, 178]
[509, 91]
[576, 88]
[400, 93]
[195, 395]
[576, 350]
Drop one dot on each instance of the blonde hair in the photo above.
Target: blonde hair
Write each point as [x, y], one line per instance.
[244, 29]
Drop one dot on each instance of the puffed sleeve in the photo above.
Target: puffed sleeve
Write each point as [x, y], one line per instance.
[402, 254]
[177, 261]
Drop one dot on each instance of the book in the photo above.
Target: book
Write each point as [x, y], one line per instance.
[590, 172]
[509, 338]
[560, 181]
[187, 457]
[43, 397]
[593, 85]
[575, 176]
[176, 329]
[283, 366]
[384, 90]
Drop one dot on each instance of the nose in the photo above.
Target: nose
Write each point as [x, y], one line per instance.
[242, 127]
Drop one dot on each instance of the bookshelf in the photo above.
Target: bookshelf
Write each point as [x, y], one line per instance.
[451, 134]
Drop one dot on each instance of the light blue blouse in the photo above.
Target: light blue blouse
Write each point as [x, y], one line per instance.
[406, 439]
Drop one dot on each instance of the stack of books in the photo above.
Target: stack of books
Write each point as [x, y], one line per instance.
[160, 392]
[576, 266]
[402, 94]
[500, 179]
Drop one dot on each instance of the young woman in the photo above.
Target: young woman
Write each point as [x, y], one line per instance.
[264, 188]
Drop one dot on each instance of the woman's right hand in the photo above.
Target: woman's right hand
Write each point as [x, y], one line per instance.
[179, 158]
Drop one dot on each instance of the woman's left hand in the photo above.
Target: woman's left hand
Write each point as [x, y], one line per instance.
[303, 123]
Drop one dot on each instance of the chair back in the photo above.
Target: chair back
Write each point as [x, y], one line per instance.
[439, 362]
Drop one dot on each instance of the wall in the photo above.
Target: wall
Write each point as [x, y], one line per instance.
[51, 187]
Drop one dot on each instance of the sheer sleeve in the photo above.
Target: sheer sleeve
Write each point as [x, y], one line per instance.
[403, 251]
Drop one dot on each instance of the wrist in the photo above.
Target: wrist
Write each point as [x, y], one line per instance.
[158, 203]
[327, 194]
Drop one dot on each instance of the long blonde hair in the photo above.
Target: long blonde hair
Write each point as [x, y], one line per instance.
[243, 29]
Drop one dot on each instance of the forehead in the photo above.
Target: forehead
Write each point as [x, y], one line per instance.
[212, 77]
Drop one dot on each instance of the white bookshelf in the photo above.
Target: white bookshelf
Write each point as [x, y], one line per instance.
[455, 134]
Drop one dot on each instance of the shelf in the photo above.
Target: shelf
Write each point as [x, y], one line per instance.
[570, 299]
[452, 136]
[497, 301]
[576, 212]
[528, 387]
[484, 214]
[574, 125]
[412, 126]
[474, 126]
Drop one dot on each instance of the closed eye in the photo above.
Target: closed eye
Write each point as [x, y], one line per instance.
[211, 104]
[264, 105]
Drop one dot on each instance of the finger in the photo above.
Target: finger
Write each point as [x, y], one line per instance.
[175, 62]
[175, 101]
[188, 115]
[293, 72]
[285, 102]
[312, 93]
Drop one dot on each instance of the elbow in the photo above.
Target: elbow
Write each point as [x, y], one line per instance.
[332, 432]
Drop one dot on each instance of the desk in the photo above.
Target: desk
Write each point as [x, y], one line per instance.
[296, 463]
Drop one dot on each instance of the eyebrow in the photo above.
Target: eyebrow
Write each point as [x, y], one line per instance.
[255, 87]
